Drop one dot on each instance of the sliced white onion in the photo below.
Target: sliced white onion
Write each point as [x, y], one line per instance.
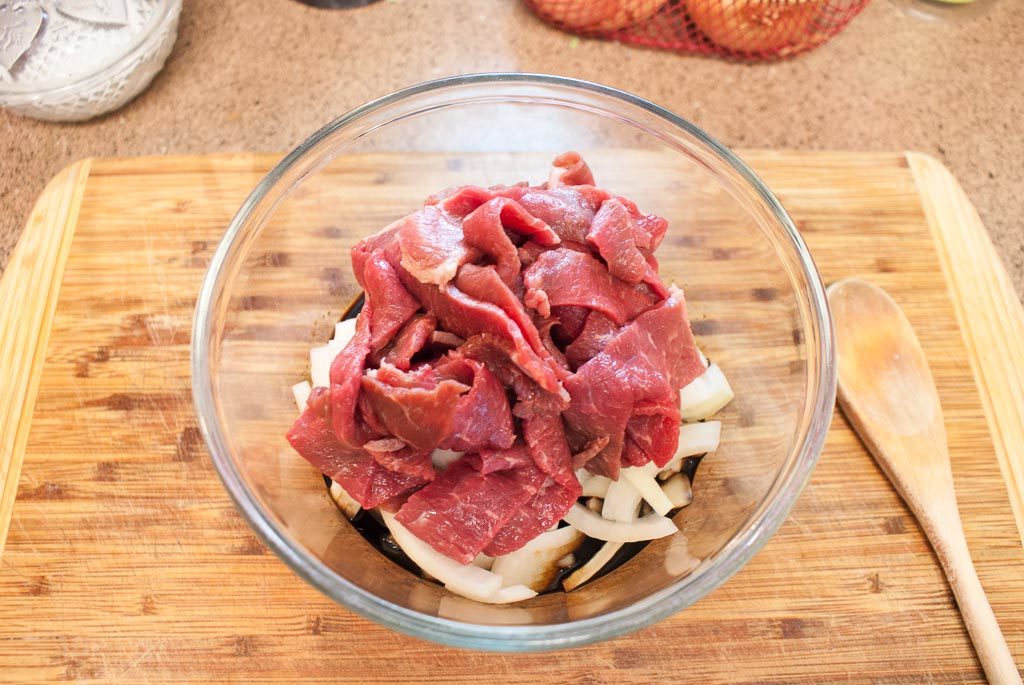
[469, 581]
[646, 528]
[320, 360]
[348, 506]
[621, 502]
[442, 458]
[705, 395]
[483, 561]
[695, 439]
[505, 595]
[643, 478]
[596, 486]
[344, 331]
[591, 568]
[300, 391]
[677, 491]
[536, 563]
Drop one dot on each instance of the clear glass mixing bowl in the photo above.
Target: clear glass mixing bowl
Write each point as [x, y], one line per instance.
[281, 278]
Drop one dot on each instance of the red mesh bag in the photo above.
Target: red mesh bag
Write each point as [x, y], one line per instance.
[739, 29]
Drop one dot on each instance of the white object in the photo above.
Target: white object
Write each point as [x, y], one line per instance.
[643, 478]
[344, 501]
[596, 486]
[344, 331]
[695, 439]
[442, 458]
[483, 561]
[301, 391]
[591, 568]
[536, 563]
[321, 357]
[705, 395]
[76, 70]
[621, 502]
[505, 595]
[678, 491]
[647, 527]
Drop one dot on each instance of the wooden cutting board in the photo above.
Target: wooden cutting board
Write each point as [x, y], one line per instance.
[125, 560]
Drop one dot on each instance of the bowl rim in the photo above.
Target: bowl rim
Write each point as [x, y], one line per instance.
[166, 13]
[763, 522]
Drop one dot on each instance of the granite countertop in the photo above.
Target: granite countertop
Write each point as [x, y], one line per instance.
[260, 75]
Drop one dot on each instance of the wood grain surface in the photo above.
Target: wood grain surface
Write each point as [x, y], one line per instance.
[126, 561]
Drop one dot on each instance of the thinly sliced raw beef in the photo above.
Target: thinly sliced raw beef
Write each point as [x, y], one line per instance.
[597, 332]
[483, 418]
[646, 363]
[496, 353]
[395, 455]
[570, 322]
[570, 170]
[460, 201]
[590, 450]
[657, 435]
[563, 276]
[420, 417]
[465, 316]
[362, 250]
[515, 458]
[363, 479]
[410, 340]
[462, 510]
[618, 241]
[565, 210]
[545, 438]
[482, 283]
[651, 225]
[546, 508]
[485, 229]
[432, 245]
[392, 305]
[346, 371]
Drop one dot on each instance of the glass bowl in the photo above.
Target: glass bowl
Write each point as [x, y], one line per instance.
[281, 278]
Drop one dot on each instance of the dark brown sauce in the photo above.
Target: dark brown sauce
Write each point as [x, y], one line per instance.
[376, 533]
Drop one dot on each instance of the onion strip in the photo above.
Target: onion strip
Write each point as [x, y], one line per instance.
[648, 527]
[592, 567]
[705, 395]
[301, 391]
[643, 479]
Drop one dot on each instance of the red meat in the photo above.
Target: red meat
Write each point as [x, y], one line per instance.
[566, 277]
[421, 417]
[462, 510]
[618, 241]
[644, 365]
[483, 418]
[410, 340]
[485, 229]
[364, 479]
[432, 245]
[597, 332]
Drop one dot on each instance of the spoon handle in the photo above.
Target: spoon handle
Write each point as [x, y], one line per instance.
[944, 529]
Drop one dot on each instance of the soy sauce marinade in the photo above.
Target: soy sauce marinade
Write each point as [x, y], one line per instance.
[373, 530]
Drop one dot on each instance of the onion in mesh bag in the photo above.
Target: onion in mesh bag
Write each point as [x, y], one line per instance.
[753, 25]
[598, 15]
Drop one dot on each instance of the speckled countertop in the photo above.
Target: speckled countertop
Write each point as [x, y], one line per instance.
[260, 75]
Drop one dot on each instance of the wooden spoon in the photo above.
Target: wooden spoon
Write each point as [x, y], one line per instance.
[887, 392]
